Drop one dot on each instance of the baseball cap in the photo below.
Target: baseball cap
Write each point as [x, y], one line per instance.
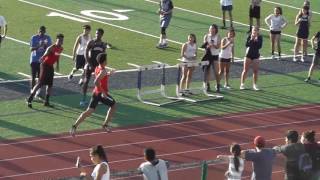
[259, 141]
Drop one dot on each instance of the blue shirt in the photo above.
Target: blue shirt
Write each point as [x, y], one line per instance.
[37, 40]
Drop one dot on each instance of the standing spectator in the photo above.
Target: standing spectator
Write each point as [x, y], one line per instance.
[153, 168]
[254, 12]
[253, 44]
[315, 42]
[226, 57]
[212, 42]
[313, 149]
[303, 19]
[262, 159]
[236, 163]
[50, 57]
[78, 51]
[100, 94]
[101, 170]
[292, 151]
[276, 23]
[38, 46]
[3, 24]
[188, 54]
[165, 12]
[94, 47]
[226, 5]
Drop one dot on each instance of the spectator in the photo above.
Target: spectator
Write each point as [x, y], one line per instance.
[226, 5]
[153, 168]
[276, 23]
[188, 54]
[3, 24]
[101, 170]
[254, 12]
[313, 149]
[236, 163]
[303, 20]
[262, 159]
[315, 42]
[292, 151]
[165, 12]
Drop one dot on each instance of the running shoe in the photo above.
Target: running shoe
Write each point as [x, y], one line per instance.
[255, 87]
[80, 82]
[73, 130]
[307, 80]
[295, 59]
[70, 77]
[226, 87]
[302, 58]
[107, 128]
[242, 87]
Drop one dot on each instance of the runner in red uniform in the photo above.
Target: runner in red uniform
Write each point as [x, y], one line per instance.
[100, 94]
[50, 57]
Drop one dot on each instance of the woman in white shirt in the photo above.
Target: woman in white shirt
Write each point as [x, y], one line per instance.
[276, 23]
[101, 170]
[236, 163]
[188, 54]
[226, 56]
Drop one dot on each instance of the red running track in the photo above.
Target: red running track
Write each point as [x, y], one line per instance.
[188, 140]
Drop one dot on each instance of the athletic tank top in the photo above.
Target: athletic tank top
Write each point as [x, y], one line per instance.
[83, 44]
[103, 82]
[105, 176]
[98, 47]
[190, 52]
[227, 52]
[53, 56]
[304, 23]
[213, 40]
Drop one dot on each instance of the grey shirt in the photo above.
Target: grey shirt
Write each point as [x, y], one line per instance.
[262, 163]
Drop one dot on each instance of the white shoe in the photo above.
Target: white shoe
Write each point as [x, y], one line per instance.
[295, 59]
[255, 87]
[226, 87]
[273, 57]
[242, 87]
[302, 59]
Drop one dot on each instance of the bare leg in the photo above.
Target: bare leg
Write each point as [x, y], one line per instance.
[189, 77]
[183, 78]
[255, 68]
[246, 65]
[109, 115]
[231, 19]
[83, 116]
[226, 73]
[224, 18]
[272, 40]
[277, 40]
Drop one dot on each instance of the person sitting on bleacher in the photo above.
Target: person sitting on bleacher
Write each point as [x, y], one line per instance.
[153, 168]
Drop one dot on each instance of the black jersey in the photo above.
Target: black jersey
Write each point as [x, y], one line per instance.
[317, 46]
[97, 48]
[303, 30]
[253, 47]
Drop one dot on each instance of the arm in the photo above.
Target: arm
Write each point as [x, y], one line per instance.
[97, 81]
[248, 42]
[5, 29]
[218, 43]
[101, 171]
[57, 66]
[224, 43]
[88, 48]
[284, 22]
[170, 10]
[48, 51]
[260, 41]
[33, 45]
[183, 49]
[75, 46]
[313, 41]
[223, 157]
[297, 21]
[232, 59]
[267, 20]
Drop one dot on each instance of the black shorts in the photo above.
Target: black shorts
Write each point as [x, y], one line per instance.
[225, 60]
[226, 8]
[35, 70]
[254, 12]
[80, 62]
[275, 32]
[253, 57]
[46, 74]
[96, 98]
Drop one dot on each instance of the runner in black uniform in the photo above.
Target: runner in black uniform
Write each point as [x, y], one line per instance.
[94, 47]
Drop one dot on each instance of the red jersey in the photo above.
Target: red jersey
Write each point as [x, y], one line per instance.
[103, 82]
[53, 56]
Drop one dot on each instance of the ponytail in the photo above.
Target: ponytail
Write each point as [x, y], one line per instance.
[236, 150]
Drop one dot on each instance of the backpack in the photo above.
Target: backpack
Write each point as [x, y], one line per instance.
[305, 165]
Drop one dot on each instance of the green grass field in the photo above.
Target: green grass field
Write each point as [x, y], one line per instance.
[134, 40]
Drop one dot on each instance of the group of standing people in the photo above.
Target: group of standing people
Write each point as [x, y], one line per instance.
[302, 158]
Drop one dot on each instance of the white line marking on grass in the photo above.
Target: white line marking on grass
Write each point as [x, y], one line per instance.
[293, 7]
[122, 10]
[102, 22]
[59, 74]
[25, 75]
[164, 125]
[235, 22]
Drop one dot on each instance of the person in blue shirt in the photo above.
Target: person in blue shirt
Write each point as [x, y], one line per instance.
[38, 46]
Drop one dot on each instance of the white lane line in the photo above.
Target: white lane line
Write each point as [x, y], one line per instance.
[25, 75]
[102, 22]
[165, 125]
[216, 17]
[285, 5]
[162, 140]
[133, 159]
[59, 74]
